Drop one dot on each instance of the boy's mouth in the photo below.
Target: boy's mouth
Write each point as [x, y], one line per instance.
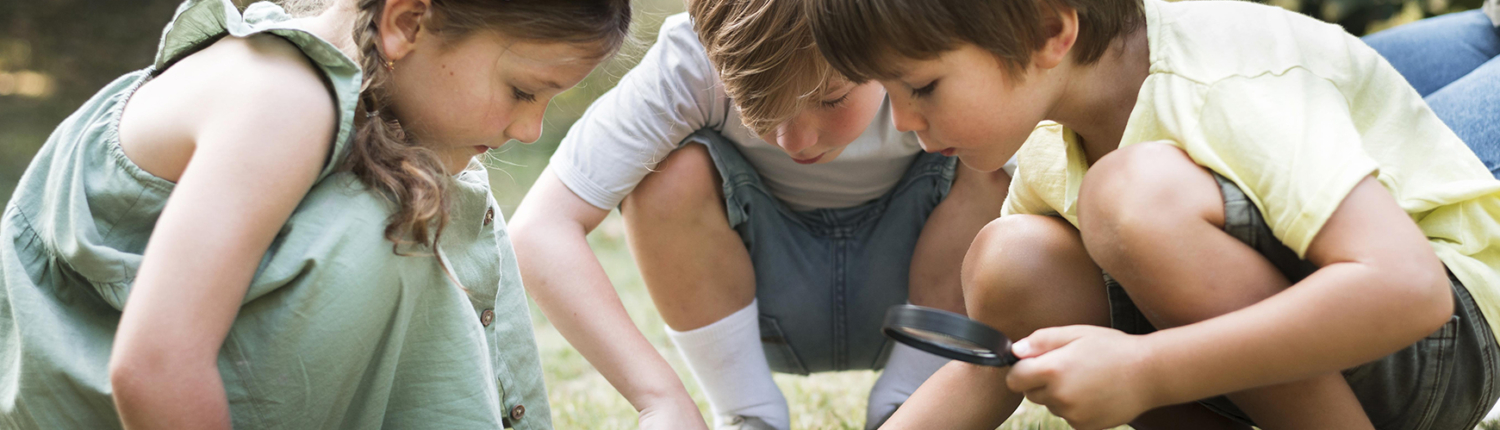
[808, 160]
[948, 152]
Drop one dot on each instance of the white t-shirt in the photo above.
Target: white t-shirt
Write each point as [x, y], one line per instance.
[674, 92]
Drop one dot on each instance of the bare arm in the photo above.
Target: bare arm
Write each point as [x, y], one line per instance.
[564, 277]
[1380, 287]
[241, 183]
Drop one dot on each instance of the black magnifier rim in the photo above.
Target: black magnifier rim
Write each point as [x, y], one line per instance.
[952, 325]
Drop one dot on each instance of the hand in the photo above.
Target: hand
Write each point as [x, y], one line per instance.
[1090, 376]
[672, 414]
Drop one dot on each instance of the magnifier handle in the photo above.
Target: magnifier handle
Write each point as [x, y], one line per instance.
[1007, 358]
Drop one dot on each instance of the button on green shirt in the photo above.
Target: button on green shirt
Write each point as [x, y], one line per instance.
[336, 330]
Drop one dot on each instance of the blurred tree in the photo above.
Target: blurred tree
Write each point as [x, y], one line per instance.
[76, 46]
[62, 51]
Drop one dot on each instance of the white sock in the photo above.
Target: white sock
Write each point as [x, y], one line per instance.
[727, 359]
[906, 370]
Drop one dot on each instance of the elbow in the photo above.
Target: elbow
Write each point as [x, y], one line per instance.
[1440, 302]
[1426, 300]
[137, 370]
[128, 375]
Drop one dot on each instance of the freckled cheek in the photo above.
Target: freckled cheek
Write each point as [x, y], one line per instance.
[493, 123]
[842, 129]
[849, 124]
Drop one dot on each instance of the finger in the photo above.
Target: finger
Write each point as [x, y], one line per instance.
[1042, 396]
[1048, 339]
[1030, 374]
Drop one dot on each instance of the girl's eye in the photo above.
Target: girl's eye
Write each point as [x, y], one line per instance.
[522, 95]
[830, 104]
[924, 91]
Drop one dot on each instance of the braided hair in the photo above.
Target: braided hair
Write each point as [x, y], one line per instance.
[385, 157]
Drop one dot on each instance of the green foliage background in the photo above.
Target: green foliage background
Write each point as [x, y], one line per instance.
[77, 46]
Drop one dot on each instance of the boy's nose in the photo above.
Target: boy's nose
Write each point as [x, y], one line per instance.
[793, 137]
[906, 119]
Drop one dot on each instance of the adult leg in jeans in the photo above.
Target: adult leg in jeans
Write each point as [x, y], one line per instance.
[1435, 52]
[1451, 61]
[1471, 107]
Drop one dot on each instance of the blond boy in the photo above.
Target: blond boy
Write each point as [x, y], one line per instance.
[774, 211]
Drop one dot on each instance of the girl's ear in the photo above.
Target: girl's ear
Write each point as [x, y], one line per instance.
[1061, 28]
[400, 24]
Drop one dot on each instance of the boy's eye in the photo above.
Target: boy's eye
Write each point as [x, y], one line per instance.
[522, 95]
[924, 91]
[830, 104]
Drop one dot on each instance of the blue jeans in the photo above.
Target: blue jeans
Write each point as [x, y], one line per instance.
[1450, 60]
[825, 277]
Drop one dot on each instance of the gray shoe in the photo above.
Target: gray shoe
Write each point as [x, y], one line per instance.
[746, 423]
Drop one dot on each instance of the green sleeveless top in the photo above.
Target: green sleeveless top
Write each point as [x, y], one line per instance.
[335, 331]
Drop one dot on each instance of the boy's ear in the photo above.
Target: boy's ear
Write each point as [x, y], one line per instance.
[1061, 29]
[400, 25]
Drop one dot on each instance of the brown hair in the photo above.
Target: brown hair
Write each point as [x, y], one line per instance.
[384, 156]
[860, 37]
[765, 55]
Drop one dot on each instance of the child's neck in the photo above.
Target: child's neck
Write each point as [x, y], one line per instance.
[336, 25]
[1097, 99]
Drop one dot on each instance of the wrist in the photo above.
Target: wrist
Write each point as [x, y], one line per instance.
[666, 392]
[1156, 374]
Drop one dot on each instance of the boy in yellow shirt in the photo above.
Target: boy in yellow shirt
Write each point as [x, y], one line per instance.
[1274, 222]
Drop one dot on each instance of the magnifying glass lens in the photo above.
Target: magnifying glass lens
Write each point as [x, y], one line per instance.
[946, 340]
[948, 335]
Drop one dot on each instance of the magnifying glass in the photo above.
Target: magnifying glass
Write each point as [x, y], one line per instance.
[948, 335]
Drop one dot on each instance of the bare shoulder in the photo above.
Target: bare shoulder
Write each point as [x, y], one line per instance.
[258, 93]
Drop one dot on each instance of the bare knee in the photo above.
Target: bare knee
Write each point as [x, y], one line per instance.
[1136, 194]
[683, 186]
[1025, 272]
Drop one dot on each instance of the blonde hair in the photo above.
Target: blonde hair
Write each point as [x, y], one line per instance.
[766, 57]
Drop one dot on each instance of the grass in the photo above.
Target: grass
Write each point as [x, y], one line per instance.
[582, 399]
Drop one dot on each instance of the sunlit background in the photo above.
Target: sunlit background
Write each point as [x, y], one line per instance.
[54, 54]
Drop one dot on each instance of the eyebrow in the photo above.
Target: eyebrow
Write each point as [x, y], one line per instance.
[553, 84]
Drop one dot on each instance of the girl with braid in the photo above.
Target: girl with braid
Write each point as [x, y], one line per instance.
[280, 223]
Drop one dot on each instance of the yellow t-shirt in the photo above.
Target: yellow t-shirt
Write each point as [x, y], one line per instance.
[1295, 112]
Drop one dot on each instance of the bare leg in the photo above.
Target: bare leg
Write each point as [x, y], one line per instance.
[700, 276]
[1154, 220]
[1022, 273]
[973, 202]
[694, 264]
